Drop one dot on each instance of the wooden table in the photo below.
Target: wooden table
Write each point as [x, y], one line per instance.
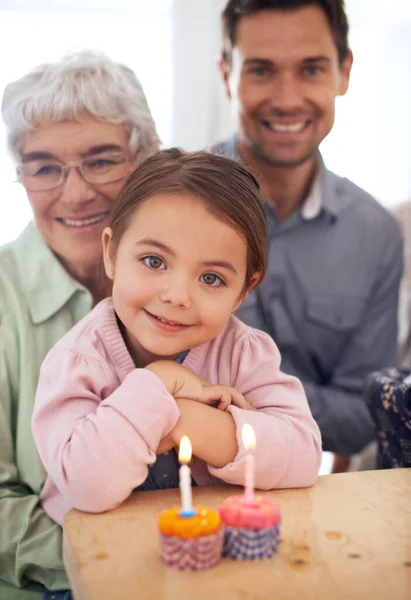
[348, 537]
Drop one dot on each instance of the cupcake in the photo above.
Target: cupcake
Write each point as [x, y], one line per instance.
[252, 529]
[191, 543]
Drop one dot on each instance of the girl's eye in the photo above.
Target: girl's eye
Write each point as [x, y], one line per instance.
[212, 280]
[153, 262]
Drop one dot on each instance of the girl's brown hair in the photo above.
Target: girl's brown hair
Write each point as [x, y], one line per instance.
[227, 189]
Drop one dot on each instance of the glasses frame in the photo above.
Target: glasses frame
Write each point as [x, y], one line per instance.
[67, 167]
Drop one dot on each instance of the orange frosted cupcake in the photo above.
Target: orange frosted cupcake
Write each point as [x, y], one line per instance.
[191, 543]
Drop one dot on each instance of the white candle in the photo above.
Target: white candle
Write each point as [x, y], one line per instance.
[184, 456]
[248, 437]
[185, 489]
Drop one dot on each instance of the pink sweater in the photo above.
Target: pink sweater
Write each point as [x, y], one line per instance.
[98, 420]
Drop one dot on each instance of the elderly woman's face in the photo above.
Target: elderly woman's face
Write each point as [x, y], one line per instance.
[72, 215]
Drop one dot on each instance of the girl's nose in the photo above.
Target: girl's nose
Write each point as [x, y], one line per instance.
[176, 292]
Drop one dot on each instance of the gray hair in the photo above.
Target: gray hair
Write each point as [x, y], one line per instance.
[86, 81]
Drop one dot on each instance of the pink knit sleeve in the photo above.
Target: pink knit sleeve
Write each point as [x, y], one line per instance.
[288, 452]
[95, 438]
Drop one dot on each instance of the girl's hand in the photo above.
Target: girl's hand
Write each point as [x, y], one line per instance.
[182, 383]
[220, 395]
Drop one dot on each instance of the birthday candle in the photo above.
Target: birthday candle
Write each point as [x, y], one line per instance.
[249, 441]
[184, 456]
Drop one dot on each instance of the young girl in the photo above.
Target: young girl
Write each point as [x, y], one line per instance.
[165, 356]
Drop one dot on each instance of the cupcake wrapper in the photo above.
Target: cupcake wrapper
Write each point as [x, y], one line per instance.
[250, 544]
[192, 554]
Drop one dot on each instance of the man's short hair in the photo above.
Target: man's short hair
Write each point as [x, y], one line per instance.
[236, 9]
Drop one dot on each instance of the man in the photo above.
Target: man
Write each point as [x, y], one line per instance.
[335, 255]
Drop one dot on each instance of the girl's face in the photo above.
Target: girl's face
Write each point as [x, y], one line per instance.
[178, 274]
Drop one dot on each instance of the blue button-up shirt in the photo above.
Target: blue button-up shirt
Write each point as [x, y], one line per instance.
[330, 300]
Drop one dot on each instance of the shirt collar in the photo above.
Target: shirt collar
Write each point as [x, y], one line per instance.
[312, 205]
[46, 284]
[323, 192]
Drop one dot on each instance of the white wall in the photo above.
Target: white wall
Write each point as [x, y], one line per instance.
[371, 140]
[200, 113]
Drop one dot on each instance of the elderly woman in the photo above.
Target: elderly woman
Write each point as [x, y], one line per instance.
[76, 129]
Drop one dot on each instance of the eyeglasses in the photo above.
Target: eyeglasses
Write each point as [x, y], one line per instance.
[46, 174]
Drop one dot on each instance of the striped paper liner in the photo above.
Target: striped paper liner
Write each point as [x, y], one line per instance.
[250, 544]
[192, 554]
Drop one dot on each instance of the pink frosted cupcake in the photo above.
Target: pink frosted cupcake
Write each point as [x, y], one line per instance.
[192, 543]
[252, 529]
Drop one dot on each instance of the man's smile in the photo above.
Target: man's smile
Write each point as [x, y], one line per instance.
[283, 127]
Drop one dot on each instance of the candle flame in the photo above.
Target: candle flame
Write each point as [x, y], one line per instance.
[184, 453]
[248, 436]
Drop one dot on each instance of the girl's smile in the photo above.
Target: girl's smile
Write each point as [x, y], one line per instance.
[178, 274]
[166, 324]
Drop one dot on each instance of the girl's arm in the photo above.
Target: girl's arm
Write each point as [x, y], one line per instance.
[180, 382]
[288, 450]
[96, 435]
[212, 432]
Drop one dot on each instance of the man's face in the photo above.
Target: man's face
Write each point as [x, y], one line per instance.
[283, 81]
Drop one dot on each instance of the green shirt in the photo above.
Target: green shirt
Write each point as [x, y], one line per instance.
[39, 303]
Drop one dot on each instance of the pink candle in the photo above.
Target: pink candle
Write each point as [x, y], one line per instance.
[248, 437]
[249, 479]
